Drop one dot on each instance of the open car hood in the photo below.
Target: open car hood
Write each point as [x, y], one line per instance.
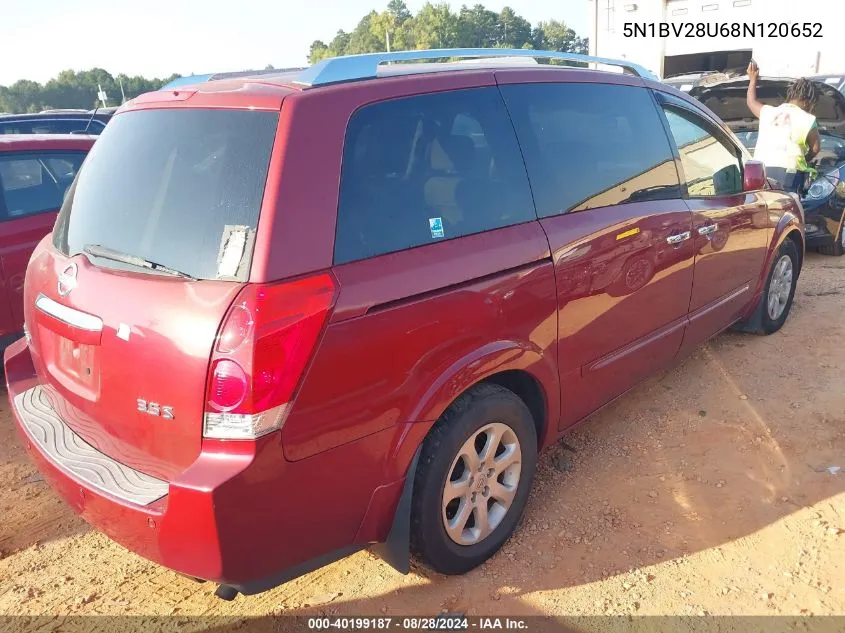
[727, 100]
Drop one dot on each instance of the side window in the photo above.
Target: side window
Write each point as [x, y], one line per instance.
[36, 182]
[57, 126]
[710, 167]
[15, 127]
[94, 129]
[591, 145]
[423, 169]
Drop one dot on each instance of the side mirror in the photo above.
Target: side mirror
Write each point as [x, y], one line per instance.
[754, 176]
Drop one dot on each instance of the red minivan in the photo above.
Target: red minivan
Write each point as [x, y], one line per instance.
[35, 172]
[284, 318]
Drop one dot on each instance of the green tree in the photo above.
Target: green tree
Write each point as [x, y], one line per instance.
[435, 26]
[71, 89]
[394, 27]
[399, 10]
[556, 36]
[340, 44]
[318, 51]
[514, 31]
[365, 38]
[478, 27]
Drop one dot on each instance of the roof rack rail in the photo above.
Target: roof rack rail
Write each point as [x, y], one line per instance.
[356, 67]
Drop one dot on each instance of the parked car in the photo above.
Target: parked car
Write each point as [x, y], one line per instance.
[837, 81]
[824, 199]
[380, 358]
[35, 172]
[55, 122]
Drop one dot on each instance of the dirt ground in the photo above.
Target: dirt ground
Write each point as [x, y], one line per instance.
[703, 491]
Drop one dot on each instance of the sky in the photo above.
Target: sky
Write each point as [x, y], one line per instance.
[155, 38]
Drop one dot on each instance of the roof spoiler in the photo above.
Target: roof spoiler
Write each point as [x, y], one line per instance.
[357, 67]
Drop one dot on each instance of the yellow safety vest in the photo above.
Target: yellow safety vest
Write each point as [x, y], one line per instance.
[782, 137]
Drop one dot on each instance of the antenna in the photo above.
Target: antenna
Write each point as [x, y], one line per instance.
[85, 131]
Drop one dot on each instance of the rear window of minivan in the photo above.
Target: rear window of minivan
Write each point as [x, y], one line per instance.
[181, 188]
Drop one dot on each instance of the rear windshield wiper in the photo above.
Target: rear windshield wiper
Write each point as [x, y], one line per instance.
[97, 250]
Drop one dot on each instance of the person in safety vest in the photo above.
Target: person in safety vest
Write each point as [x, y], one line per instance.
[788, 135]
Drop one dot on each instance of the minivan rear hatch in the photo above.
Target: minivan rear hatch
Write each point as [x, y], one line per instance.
[151, 247]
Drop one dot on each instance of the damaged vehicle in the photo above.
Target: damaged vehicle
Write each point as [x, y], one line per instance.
[823, 199]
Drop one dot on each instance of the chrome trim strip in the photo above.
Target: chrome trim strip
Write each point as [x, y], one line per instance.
[718, 303]
[68, 315]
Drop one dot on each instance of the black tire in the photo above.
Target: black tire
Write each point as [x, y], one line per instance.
[760, 322]
[480, 406]
[836, 249]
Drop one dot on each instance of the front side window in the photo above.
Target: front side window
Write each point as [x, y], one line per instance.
[423, 169]
[710, 167]
[591, 145]
[33, 182]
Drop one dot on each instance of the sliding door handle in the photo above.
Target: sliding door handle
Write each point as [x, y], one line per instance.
[679, 237]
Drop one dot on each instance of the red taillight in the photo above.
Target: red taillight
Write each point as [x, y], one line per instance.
[229, 385]
[237, 329]
[266, 340]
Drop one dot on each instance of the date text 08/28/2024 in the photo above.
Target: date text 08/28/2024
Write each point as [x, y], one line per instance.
[771, 30]
[436, 623]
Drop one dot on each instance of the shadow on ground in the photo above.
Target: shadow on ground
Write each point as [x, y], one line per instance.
[733, 440]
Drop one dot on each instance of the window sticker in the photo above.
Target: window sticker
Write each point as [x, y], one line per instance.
[436, 227]
[233, 246]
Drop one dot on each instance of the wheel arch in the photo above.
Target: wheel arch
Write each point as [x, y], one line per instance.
[796, 236]
[527, 386]
[528, 389]
[521, 368]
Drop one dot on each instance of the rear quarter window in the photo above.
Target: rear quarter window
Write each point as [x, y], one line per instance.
[424, 169]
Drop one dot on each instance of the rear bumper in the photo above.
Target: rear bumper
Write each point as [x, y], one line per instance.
[240, 513]
[97, 487]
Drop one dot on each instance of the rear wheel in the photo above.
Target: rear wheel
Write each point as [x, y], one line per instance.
[776, 302]
[473, 480]
[838, 246]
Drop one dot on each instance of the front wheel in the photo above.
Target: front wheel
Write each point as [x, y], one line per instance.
[473, 480]
[776, 302]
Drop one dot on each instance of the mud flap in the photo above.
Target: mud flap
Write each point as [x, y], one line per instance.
[754, 323]
[396, 550]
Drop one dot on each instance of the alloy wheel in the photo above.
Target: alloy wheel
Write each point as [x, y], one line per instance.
[780, 287]
[482, 483]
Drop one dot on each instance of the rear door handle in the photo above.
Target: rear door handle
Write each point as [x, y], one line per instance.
[707, 230]
[680, 237]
